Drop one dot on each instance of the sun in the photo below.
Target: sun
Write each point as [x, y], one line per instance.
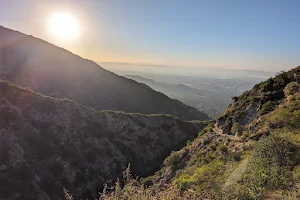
[63, 26]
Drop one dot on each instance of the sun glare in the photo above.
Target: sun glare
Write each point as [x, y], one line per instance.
[63, 26]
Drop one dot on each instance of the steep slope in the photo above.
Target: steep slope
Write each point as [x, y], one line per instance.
[227, 161]
[251, 151]
[30, 62]
[48, 143]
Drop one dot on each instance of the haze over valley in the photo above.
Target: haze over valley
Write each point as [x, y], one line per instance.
[208, 90]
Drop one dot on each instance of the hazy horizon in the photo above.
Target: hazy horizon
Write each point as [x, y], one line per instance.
[256, 35]
[144, 70]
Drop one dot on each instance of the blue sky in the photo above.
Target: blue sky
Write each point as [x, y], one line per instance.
[235, 34]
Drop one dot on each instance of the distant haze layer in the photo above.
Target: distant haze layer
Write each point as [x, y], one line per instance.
[144, 69]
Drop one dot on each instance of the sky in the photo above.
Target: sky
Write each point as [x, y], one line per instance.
[233, 34]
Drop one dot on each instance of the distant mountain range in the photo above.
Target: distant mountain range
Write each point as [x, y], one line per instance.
[211, 96]
[45, 68]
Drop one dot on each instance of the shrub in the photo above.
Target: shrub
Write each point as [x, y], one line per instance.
[287, 116]
[207, 129]
[270, 168]
[235, 99]
[236, 129]
[280, 81]
[236, 156]
[206, 177]
[134, 189]
[174, 160]
[206, 158]
[291, 88]
[147, 181]
[222, 149]
[188, 143]
[266, 108]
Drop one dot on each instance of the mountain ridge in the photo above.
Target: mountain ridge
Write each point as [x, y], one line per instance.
[51, 143]
[33, 63]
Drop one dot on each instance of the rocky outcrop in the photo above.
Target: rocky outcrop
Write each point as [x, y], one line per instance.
[252, 104]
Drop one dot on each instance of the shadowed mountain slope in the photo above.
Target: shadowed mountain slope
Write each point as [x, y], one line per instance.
[49, 143]
[45, 68]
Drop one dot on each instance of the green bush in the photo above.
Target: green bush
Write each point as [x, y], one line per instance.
[188, 143]
[174, 160]
[236, 156]
[235, 99]
[236, 129]
[147, 181]
[269, 169]
[222, 149]
[266, 108]
[207, 129]
[202, 178]
[206, 159]
[280, 81]
[287, 116]
[273, 84]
